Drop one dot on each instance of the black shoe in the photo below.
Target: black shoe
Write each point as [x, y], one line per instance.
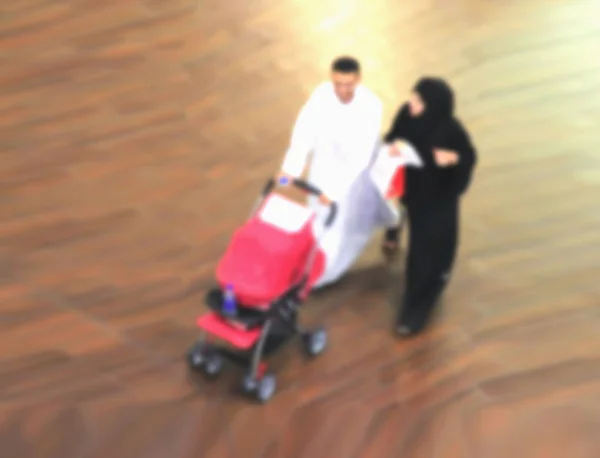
[407, 326]
[404, 331]
[391, 244]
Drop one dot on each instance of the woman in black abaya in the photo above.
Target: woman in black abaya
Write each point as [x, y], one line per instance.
[432, 196]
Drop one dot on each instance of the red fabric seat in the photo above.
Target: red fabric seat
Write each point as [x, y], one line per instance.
[262, 261]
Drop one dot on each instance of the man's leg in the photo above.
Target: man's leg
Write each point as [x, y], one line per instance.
[393, 235]
[343, 243]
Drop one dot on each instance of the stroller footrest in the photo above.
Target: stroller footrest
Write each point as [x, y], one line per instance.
[219, 327]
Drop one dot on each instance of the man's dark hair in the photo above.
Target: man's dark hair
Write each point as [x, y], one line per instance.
[345, 64]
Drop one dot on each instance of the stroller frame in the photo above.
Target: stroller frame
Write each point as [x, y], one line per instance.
[265, 331]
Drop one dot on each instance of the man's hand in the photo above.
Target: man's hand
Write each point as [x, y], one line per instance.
[285, 177]
[282, 175]
[445, 157]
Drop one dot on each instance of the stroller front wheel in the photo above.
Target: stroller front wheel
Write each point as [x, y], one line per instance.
[266, 388]
[315, 342]
[249, 384]
[213, 365]
[195, 356]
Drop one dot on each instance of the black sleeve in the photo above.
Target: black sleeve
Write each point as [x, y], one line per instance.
[457, 178]
[463, 171]
[395, 131]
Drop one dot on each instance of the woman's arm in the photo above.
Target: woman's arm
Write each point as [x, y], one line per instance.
[463, 170]
[458, 156]
[395, 131]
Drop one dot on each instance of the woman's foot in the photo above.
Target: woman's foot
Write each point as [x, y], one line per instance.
[405, 331]
[408, 325]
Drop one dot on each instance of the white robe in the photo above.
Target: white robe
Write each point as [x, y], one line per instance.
[343, 139]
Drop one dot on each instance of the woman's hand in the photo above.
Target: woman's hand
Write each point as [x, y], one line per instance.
[445, 157]
[325, 200]
[394, 149]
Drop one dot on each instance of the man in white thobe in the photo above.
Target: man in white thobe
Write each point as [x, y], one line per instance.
[339, 129]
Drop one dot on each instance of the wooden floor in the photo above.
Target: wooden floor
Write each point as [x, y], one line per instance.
[133, 138]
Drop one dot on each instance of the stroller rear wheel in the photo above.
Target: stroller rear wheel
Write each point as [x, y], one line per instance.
[315, 342]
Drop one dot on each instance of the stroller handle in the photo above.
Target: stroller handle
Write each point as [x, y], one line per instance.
[303, 186]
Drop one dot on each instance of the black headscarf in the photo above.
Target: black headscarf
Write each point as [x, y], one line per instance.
[438, 97]
[436, 127]
[439, 109]
[439, 102]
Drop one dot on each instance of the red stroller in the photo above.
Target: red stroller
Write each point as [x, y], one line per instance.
[271, 264]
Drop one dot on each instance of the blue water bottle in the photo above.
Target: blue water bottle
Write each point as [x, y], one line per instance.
[229, 303]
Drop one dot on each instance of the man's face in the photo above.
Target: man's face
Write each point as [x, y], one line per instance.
[345, 85]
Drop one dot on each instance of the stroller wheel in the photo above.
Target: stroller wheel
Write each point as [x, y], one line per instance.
[249, 384]
[213, 365]
[315, 342]
[195, 356]
[266, 388]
